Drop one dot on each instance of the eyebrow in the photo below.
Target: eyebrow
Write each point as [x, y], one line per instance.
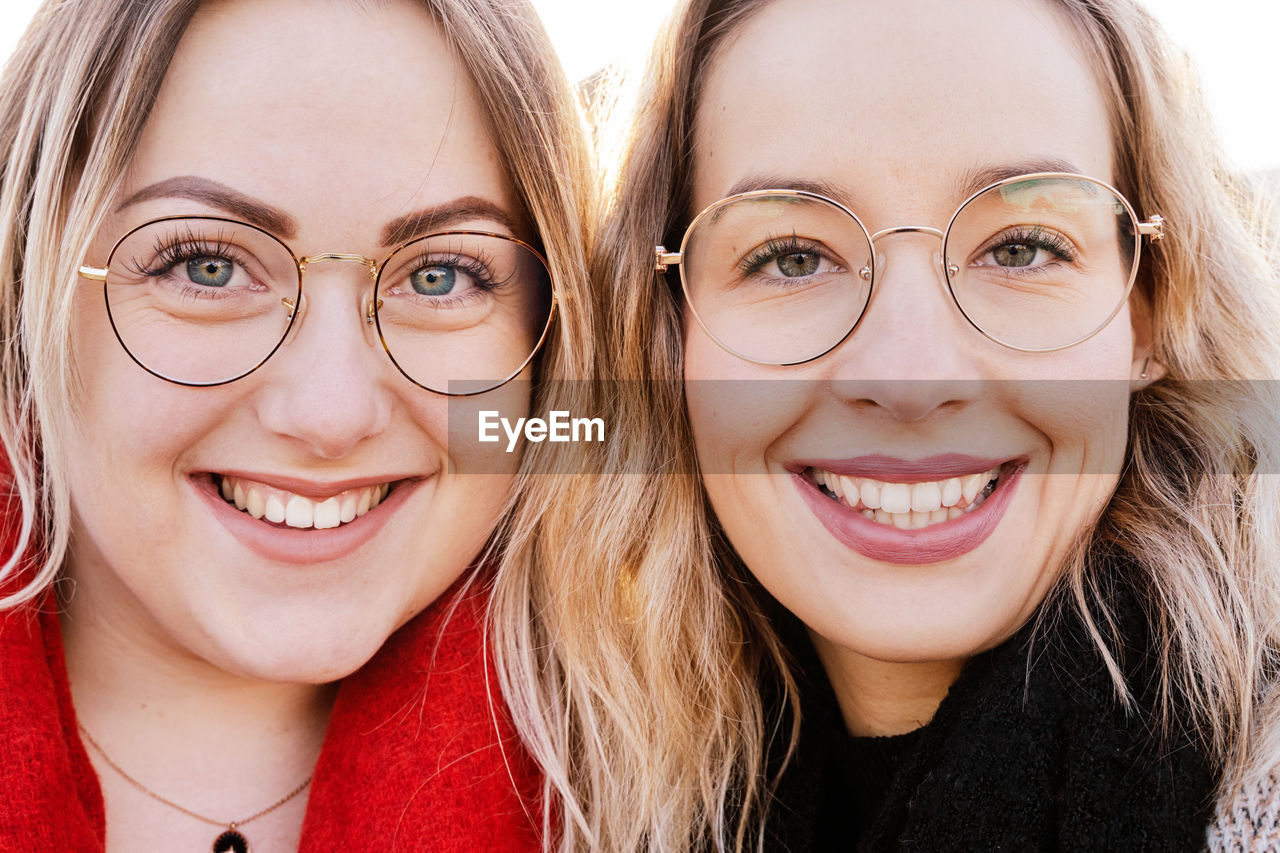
[972, 181]
[402, 229]
[218, 195]
[754, 183]
[976, 179]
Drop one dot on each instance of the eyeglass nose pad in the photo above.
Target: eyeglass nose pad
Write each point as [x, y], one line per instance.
[294, 315]
[371, 309]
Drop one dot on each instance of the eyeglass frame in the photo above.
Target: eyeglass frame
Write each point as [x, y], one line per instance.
[1152, 227]
[297, 308]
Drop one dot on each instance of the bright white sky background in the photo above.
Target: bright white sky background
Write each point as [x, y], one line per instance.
[1234, 43]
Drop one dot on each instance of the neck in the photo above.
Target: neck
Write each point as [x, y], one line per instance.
[880, 698]
[158, 710]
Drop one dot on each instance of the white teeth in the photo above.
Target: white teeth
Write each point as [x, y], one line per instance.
[973, 484]
[925, 497]
[328, 514]
[848, 488]
[282, 507]
[909, 506]
[895, 497]
[299, 512]
[275, 510]
[257, 507]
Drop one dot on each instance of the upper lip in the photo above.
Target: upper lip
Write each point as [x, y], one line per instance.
[891, 469]
[312, 488]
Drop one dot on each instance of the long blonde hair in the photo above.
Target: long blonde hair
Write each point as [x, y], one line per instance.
[635, 650]
[73, 102]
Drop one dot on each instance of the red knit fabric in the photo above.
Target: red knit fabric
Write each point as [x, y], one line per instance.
[415, 757]
[420, 753]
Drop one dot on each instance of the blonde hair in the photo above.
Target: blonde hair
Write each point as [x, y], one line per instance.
[73, 103]
[635, 647]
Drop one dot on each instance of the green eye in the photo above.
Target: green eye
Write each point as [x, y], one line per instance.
[1014, 255]
[434, 280]
[210, 271]
[798, 264]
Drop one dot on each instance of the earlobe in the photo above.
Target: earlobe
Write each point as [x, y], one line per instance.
[1145, 371]
[1145, 368]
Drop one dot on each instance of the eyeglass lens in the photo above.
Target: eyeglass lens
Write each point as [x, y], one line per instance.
[1037, 263]
[204, 301]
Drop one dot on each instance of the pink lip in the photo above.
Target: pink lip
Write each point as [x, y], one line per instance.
[304, 546]
[934, 544]
[892, 470]
[319, 489]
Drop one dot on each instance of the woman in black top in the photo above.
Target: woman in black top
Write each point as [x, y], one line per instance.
[958, 295]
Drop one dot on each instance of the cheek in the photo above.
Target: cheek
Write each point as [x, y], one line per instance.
[737, 409]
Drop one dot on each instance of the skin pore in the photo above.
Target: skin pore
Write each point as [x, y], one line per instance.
[202, 644]
[893, 109]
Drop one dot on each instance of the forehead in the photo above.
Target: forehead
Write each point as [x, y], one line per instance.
[897, 104]
[342, 114]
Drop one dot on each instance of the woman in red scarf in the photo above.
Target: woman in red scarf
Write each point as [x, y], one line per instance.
[264, 266]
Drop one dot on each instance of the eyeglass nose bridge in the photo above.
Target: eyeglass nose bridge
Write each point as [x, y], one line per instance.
[878, 259]
[371, 309]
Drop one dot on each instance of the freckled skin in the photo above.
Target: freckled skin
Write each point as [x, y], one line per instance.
[894, 104]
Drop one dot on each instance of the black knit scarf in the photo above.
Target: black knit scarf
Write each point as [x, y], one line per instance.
[1028, 752]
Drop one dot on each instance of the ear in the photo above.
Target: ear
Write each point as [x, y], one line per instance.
[1144, 369]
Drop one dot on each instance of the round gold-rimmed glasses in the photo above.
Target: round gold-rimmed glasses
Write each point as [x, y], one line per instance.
[204, 300]
[1036, 263]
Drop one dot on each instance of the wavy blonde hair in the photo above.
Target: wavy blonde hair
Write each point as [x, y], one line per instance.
[634, 647]
[73, 102]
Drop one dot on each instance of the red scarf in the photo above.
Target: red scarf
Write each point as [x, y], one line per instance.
[419, 754]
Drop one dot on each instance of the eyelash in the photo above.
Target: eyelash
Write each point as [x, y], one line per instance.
[478, 268]
[1037, 236]
[775, 248]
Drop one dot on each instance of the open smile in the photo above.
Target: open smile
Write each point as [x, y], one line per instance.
[280, 506]
[907, 513]
[302, 522]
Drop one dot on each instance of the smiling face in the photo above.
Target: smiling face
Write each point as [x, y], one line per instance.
[904, 511]
[329, 126]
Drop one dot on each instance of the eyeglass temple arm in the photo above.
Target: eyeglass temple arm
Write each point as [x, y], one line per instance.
[663, 259]
[93, 273]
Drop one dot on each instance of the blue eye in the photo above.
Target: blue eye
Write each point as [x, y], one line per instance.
[210, 271]
[436, 280]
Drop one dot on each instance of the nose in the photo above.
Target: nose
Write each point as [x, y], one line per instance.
[327, 388]
[913, 353]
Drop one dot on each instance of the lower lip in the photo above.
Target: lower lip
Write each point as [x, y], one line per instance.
[302, 546]
[936, 543]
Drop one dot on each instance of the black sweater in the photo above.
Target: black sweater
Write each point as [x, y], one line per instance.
[1015, 759]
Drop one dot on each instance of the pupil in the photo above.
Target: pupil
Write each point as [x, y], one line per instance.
[798, 264]
[433, 281]
[210, 272]
[1014, 255]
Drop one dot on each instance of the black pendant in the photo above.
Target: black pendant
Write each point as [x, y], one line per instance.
[230, 842]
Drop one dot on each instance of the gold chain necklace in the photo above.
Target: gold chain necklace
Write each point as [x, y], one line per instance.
[231, 840]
